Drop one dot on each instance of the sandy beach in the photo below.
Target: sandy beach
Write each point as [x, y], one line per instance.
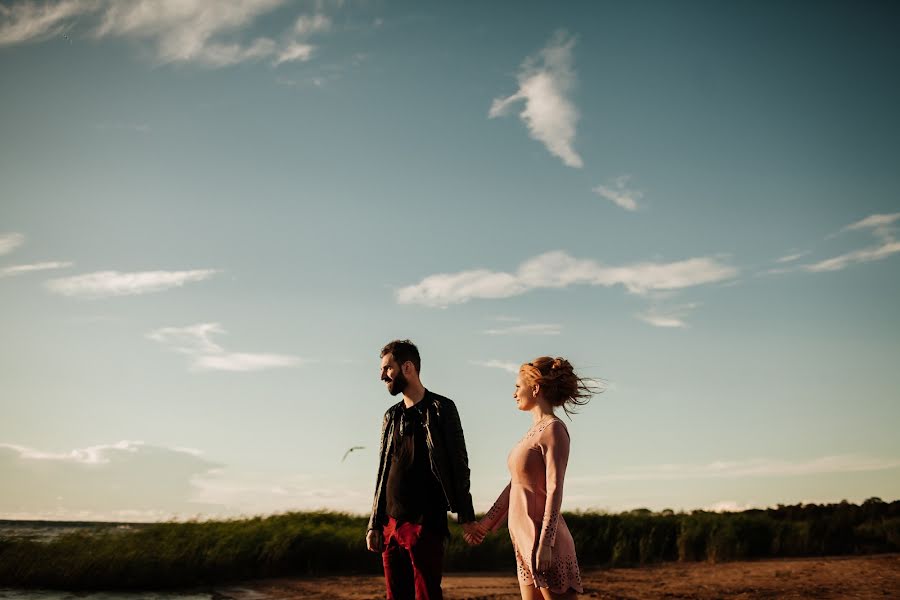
[832, 578]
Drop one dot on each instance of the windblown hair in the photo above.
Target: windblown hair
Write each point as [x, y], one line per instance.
[560, 385]
[403, 350]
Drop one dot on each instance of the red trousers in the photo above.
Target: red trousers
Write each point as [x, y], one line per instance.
[413, 561]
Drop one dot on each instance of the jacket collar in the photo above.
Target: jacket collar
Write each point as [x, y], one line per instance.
[422, 404]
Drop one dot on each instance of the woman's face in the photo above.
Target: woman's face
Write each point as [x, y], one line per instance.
[524, 394]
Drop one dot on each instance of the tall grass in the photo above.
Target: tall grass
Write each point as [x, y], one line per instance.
[173, 554]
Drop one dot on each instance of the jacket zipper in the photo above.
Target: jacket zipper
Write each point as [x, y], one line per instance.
[434, 469]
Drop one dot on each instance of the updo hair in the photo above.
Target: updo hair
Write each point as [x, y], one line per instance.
[559, 383]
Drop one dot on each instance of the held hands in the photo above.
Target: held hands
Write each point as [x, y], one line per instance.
[473, 533]
[375, 541]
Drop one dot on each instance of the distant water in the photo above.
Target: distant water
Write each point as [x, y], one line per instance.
[45, 531]
[233, 593]
[9, 594]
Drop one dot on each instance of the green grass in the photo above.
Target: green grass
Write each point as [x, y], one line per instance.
[166, 555]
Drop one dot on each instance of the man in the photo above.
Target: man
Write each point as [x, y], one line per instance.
[423, 472]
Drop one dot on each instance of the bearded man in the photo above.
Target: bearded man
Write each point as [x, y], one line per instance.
[423, 471]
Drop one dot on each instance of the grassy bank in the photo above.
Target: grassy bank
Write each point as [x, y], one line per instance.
[312, 543]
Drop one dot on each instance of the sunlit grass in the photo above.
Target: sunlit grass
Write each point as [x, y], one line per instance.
[191, 553]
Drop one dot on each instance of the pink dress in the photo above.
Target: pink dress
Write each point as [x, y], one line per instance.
[532, 500]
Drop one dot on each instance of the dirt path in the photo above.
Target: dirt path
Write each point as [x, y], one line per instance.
[838, 578]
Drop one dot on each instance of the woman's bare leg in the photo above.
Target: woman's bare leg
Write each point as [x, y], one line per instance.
[529, 592]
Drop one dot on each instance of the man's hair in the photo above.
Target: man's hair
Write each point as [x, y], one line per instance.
[403, 350]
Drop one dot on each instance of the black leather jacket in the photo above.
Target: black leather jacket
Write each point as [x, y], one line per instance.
[446, 451]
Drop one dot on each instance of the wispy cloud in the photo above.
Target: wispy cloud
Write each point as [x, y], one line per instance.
[559, 270]
[205, 32]
[791, 257]
[92, 455]
[619, 193]
[126, 479]
[187, 31]
[104, 284]
[507, 319]
[22, 269]
[195, 341]
[529, 329]
[752, 468]
[857, 256]
[309, 24]
[545, 82]
[667, 316]
[27, 21]
[881, 225]
[295, 51]
[10, 241]
[509, 367]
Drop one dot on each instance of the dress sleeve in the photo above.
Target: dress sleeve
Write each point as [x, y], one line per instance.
[496, 516]
[554, 444]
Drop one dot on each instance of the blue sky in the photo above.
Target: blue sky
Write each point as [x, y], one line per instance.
[214, 214]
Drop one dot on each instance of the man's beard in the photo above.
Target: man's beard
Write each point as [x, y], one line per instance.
[397, 385]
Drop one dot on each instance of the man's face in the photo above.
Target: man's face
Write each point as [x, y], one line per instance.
[391, 375]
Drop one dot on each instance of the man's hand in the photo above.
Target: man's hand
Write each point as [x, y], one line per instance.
[473, 533]
[375, 541]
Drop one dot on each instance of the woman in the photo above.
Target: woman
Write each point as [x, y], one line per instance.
[545, 551]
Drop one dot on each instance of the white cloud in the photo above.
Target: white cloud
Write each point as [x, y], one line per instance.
[27, 21]
[618, 192]
[205, 32]
[126, 479]
[22, 269]
[192, 340]
[307, 25]
[545, 82]
[558, 270]
[103, 284]
[667, 316]
[10, 241]
[186, 30]
[453, 288]
[880, 224]
[509, 367]
[791, 257]
[857, 256]
[205, 355]
[528, 329]
[751, 468]
[135, 481]
[92, 455]
[242, 361]
[294, 52]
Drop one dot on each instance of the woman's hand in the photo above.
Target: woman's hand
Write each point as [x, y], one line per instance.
[544, 558]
